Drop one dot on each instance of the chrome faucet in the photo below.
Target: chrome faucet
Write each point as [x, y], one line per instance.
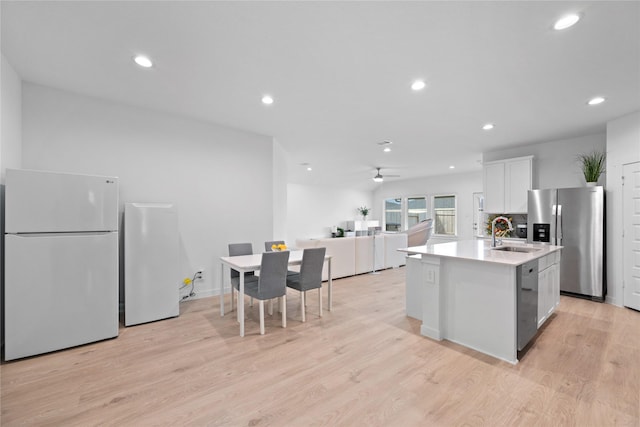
[493, 230]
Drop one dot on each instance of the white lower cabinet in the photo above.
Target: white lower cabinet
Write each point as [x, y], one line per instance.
[548, 286]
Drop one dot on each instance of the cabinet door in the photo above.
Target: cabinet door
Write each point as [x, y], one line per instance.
[517, 184]
[494, 187]
[555, 280]
[542, 296]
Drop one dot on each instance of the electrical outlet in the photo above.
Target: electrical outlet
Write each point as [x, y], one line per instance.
[200, 273]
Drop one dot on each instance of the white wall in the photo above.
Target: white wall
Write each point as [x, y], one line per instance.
[555, 163]
[313, 210]
[10, 118]
[215, 175]
[461, 185]
[623, 147]
[280, 160]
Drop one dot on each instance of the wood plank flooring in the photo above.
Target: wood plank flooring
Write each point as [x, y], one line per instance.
[364, 364]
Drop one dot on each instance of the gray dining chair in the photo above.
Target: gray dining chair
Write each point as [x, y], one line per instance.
[267, 248]
[267, 245]
[237, 249]
[272, 283]
[310, 276]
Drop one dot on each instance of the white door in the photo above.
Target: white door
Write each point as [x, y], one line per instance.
[51, 202]
[61, 290]
[478, 223]
[151, 263]
[631, 222]
[517, 184]
[493, 181]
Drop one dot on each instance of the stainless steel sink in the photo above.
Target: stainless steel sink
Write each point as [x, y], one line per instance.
[524, 249]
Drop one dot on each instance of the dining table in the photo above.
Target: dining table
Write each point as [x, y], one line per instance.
[247, 263]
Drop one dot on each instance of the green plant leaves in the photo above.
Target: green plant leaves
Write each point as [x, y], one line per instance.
[593, 165]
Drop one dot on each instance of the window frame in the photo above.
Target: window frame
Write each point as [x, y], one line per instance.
[405, 225]
[384, 213]
[455, 215]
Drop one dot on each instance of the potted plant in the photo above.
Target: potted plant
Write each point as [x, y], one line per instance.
[364, 211]
[592, 166]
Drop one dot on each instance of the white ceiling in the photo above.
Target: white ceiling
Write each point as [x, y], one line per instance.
[340, 72]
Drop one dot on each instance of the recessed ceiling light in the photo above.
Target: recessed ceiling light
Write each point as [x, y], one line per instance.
[309, 168]
[143, 61]
[595, 101]
[566, 21]
[488, 126]
[386, 149]
[452, 167]
[267, 99]
[418, 85]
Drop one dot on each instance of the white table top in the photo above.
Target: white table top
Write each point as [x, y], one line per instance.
[252, 262]
[480, 250]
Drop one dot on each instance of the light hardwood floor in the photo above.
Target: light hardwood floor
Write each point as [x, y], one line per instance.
[364, 364]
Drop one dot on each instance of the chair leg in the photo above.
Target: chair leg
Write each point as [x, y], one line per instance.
[261, 304]
[302, 304]
[284, 310]
[320, 300]
[251, 302]
[232, 297]
[271, 307]
[305, 298]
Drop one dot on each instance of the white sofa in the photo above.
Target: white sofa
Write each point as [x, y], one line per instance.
[354, 255]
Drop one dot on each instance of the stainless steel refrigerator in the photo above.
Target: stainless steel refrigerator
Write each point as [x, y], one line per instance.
[573, 218]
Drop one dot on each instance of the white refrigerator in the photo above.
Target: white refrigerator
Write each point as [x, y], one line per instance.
[61, 261]
[151, 262]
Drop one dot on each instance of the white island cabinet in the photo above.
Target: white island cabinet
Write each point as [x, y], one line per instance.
[467, 292]
[548, 286]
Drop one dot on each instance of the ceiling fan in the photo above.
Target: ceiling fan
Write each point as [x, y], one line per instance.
[380, 178]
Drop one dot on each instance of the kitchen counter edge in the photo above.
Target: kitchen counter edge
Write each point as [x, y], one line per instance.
[478, 250]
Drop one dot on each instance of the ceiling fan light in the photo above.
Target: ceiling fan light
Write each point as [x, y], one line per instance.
[377, 178]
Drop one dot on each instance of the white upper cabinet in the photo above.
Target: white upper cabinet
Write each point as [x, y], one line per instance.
[493, 181]
[506, 183]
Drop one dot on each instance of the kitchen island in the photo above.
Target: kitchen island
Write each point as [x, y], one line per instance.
[467, 292]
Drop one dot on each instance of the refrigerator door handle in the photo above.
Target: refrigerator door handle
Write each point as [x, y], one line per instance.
[553, 214]
[559, 225]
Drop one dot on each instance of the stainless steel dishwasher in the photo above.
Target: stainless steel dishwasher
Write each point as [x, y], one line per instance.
[527, 278]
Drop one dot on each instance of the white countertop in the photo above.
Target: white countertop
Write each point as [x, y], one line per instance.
[480, 250]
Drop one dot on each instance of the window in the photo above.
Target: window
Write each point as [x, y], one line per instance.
[416, 210]
[393, 214]
[444, 208]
